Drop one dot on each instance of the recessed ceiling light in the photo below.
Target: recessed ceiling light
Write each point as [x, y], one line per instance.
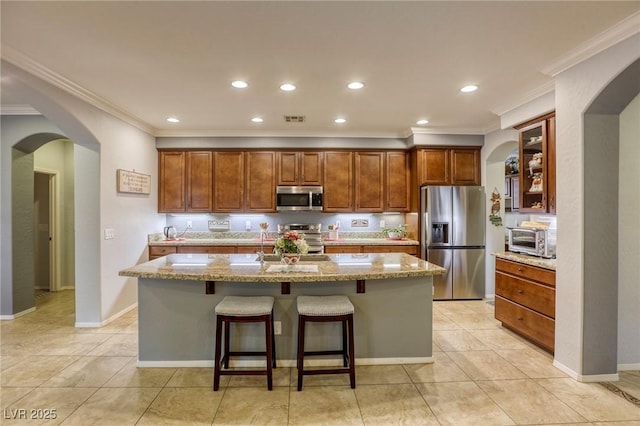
[257, 120]
[355, 85]
[340, 120]
[288, 87]
[422, 122]
[469, 88]
[239, 84]
[173, 120]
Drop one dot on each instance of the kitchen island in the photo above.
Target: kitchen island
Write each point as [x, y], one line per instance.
[391, 293]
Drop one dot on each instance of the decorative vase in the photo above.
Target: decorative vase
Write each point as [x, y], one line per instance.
[290, 258]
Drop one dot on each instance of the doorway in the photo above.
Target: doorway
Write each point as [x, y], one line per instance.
[46, 230]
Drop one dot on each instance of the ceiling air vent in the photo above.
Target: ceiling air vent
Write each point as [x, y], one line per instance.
[295, 118]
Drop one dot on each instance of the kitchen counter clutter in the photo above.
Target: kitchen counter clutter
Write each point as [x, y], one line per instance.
[392, 320]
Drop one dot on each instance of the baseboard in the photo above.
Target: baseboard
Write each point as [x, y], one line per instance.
[18, 315]
[67, 287]
[108, 320]
[591, 378]
[627, 367]
[283, 362]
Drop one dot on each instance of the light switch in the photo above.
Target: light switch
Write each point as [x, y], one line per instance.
[382, 224]
[109, 233]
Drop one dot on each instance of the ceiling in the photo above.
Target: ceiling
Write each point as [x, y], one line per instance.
[147, 60]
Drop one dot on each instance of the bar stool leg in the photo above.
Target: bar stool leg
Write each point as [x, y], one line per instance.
[216, 367]
[273, 340]
[227, 349]
[352, 364]
[300, 362]
[345, 357]
[268, 325]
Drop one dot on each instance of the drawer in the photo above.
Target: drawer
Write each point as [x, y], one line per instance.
[158, 251]
[207, 249]
[391, 249]
[536, 327]
[537, 297]
[342, 249]
[252, 249]
[533, 273]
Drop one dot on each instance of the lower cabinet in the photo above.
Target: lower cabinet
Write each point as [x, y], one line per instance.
[526, 301]
[159, 251]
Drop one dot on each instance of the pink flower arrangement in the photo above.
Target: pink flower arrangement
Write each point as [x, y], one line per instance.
[291, 242]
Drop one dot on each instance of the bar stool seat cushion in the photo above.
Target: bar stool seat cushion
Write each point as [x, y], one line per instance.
[324, 306]
[245, 306]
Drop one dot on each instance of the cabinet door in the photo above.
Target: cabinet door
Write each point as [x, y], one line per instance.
[551, 165]
[199, 181]
[288, 168]
[533, 174]
[465, 166]
[338, 182]
[228, 181]
[171, 181]
[342, 249]
[397, 179]
[435, 167]
[311, 165]
[369, 181]
[261, 181]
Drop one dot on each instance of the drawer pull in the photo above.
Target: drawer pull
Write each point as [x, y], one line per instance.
[520, 319]
[520, 270]
[520, 291]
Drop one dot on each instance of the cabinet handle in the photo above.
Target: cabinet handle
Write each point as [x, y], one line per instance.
[520, 270]
[520, 291]
[520, 318]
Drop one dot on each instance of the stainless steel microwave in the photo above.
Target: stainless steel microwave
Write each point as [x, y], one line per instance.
[299, 198]
[534, 241]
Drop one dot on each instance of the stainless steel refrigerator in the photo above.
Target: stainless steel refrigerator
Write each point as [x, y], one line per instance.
[453, 236]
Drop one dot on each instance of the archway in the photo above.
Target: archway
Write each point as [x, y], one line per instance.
[611, 199]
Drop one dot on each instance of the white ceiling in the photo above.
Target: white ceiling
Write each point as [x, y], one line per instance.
[150, 60]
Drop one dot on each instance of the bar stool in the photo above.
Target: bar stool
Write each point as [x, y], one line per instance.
[244, 309]
[327, 309]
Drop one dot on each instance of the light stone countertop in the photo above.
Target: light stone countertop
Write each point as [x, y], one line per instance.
[540, 262]
[252, 239]
[245, 268]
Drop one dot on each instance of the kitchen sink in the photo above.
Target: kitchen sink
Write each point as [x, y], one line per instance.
[303, 258]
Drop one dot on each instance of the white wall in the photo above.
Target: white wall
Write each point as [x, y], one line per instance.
[629, 239]
[115, 145]
[576, 89]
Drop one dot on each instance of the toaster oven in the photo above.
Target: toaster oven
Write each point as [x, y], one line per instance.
[539, 242]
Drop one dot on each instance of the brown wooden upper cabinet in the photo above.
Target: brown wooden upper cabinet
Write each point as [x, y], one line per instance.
[397, 181]
[369, 179]
[261, 181]
[448, 166]
[185, 181]
[171, 181]
[228, 178]
[338, 181]
[199, 181]
[300, 168]
[538, 165]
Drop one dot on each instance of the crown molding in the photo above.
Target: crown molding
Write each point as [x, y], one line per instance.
[445, 131]
[527, 97]
[32, 67]
[18, 110]
[611, 36]
[272, 133]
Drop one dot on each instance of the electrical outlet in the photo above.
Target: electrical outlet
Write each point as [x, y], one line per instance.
[277, 328]
[382, 224]
[247, 225]
[189, 224]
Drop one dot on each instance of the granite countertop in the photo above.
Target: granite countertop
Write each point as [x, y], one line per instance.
[253, 239]
[245, 268]
[527, 260]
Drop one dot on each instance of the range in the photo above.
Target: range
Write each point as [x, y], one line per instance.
[312, 233]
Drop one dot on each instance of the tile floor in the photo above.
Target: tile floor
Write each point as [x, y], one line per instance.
[482, 375]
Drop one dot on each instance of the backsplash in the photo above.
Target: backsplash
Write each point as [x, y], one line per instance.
[208, 235]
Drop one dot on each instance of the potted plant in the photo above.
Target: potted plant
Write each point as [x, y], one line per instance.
[290, 246]
[395, 232]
